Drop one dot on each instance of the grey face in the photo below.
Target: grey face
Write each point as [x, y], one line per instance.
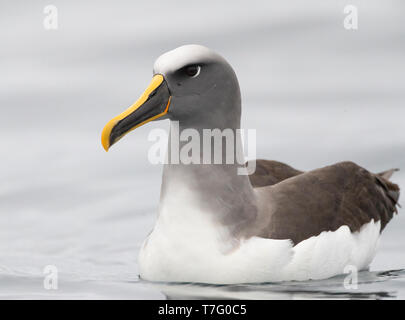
[202, 84]
[191, 84]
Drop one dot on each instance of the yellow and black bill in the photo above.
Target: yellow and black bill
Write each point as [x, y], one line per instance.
[153, 104]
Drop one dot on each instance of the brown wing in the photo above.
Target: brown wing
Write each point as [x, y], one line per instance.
[269, 172]
[327, 198]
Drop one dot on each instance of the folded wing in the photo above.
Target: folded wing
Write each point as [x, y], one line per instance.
[305, 204]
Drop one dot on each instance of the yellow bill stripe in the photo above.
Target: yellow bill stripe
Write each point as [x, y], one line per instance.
[105, 135]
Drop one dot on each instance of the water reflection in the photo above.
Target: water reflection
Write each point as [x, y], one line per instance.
[371, 285]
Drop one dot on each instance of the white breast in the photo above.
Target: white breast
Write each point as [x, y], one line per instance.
[187, 245]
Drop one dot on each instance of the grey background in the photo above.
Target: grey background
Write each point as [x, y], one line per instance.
[316, 93]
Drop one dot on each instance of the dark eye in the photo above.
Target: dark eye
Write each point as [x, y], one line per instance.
[193, 70]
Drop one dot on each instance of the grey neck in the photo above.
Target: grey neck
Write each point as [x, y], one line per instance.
[218, 188]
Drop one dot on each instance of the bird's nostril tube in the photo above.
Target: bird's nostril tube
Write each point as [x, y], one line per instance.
[152, 93]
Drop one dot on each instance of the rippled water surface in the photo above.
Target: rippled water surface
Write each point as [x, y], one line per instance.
[315, 92]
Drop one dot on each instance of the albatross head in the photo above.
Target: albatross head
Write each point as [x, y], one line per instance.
[191, 84]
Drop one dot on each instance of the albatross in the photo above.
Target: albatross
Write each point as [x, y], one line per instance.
[218, 226]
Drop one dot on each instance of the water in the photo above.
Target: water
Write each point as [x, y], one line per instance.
[315, 92]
